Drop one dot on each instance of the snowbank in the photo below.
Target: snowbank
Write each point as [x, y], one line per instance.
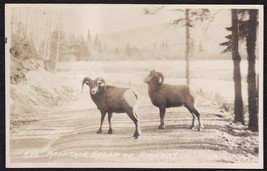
[31, 99]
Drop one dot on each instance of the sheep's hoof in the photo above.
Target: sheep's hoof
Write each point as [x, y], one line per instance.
[192, 127]
[199, 129]
[110, 131]
[136, 135]
[99, 131]
[162, 127]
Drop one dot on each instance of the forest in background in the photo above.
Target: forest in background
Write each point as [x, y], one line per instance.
[44, 35]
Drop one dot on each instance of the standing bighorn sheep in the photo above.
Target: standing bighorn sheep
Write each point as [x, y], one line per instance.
[165, 96]
[110, 99]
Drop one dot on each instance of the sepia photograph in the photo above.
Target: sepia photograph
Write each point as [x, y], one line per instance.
[134, 86]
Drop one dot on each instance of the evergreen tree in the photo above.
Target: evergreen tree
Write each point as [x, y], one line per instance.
[251, 77]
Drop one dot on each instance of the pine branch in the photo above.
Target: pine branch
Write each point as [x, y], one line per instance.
[228, 28]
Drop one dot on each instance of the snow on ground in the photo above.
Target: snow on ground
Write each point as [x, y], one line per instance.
[29, 100]
[213, 77]
[70, 127]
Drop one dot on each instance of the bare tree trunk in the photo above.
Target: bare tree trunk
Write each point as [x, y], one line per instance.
[49, 40]
[38, 36]
[12, 22]
[35, 33]
[57, 53]
[238, 109]
[37, 43]
[20, 24]
[187, 43]
[45, 40]
[26, 24]
[251, 77]
[58, 43]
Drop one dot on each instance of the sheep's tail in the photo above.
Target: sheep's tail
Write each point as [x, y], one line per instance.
[136, 105]
[135, 95]
[195, 93]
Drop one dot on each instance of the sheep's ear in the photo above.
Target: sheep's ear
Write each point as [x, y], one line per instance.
[161, 77]
[87, 83]
[101, 84]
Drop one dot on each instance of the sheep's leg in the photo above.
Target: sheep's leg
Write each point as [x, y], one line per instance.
[109, 122]
[194, 112]
[103, 114]
[162, 111]
[193, 121]
[199, 120]
[137, 132]
[137, 127]
[134, 118]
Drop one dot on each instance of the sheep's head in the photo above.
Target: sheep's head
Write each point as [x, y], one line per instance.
[154, 77]
[96, 86]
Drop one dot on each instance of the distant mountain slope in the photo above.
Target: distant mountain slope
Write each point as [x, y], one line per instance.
[145, 37]
[174, 36]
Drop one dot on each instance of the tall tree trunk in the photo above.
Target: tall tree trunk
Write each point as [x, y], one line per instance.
[187, 43]
[26, 24]
[35, 33]
[58, 43]
[57, 51]
[49, 40]
[251, 77]
[20, 24]
[12, 21]
[45, 40]
[238, 103]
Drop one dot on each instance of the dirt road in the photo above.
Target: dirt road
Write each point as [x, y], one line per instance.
[68, 135]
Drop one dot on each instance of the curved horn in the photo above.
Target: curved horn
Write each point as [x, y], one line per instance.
[85, 80]
[153, 71]
[149, 77]
[102, 80]
[161, 76]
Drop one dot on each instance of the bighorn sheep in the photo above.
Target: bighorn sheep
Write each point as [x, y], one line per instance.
[165, 96]
[110, 99]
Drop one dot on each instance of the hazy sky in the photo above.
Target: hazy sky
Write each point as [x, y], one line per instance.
[111, 18]
[100, 18]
